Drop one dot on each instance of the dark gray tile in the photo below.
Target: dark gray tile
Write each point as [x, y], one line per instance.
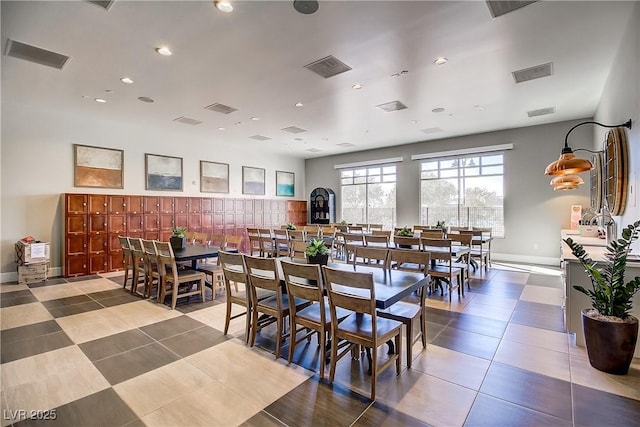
[194, 341]
[104, 408]
[82, 278]
[171, 327]
[123, 298]
[318, 404]
[598, 408]
[441, 317]
[537, 319]
[541, 393]
[114, 344]
[545, 280]
[124, 366]
[111, 293]
[500, 289]
[10, 299]
[34, 345]
[433, 330]
[262, 419]
[380, 414]
[48, 282]
[480, 325]
[64, 302]
[491, 412]
[69, 310]
[9, 336]
[467, 342]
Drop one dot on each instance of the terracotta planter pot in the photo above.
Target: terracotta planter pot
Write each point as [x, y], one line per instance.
[610, 345]
[319, 259]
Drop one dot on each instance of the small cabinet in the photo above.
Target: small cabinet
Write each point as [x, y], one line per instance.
[322, 206]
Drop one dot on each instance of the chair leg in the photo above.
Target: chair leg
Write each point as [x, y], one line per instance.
[227, 319]
[409, 326]
[374, 370]
[322, 335]
[292, 342]
[174, 295]
[278, 335]
[334, 356]
[398, 356]
[203, 288]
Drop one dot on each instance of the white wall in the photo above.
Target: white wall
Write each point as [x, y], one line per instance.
[37, 166]
[620, 101]
[534, 213]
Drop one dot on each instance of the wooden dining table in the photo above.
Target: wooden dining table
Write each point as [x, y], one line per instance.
[195, 252]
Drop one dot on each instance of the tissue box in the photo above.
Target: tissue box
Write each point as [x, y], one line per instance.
[589, 230]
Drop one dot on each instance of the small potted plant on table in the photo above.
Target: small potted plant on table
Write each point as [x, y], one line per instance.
[610, 332]
[178, 239]
[291, 226]
[317, 252]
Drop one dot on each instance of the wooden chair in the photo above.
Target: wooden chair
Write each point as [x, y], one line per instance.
[356, 229]
[375, 227]
[127, 261]
[432, 234]
[281, 243]
[139, 266]
[381, 233]
[482, 251]
[375, 240]
[201, 238]
[213, 271]
[458, 229]
[463, 238]
[170, 275]
[266, 242]
[327, 231]
[263, 275]
[298, 248]
[297, 235]
[406, 312]
[351, 241]
[151, 266]
[312, 231]
[371, 257]
[402, 242]
[254, 241]
[304, 281]
[355, 291]
[440, 250]
[190, 235]
[235, 273]
[232, 242]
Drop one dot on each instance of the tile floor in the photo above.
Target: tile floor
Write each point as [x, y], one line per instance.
[101, 356]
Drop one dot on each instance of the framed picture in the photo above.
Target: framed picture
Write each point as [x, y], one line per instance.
[285, 184]
[98, 167]
[214, 177]
[253, 180]
[163, 172]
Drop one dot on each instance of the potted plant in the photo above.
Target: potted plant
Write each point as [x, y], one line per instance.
[317, 252]
[610, 332]
[440, 225]
[291, 226]
[178, 239]
[405, 232]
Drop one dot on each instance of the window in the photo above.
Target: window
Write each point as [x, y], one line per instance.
[369, 195]
[463, 191]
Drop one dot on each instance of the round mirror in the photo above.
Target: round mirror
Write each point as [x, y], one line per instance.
[615, 170]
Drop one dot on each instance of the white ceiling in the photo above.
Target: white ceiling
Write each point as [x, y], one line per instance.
[253, 59]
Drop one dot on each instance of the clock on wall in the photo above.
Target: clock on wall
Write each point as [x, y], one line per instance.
[615, 171]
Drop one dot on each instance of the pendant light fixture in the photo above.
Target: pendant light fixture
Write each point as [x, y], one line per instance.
[568, 163]
[566, 182]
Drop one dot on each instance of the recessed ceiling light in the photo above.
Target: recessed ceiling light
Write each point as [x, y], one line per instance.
[440, 61]
[299, 104]
[357, 86]
[108, 90]
[437, 110]
[220, 128]
[126, 80]
[395, 75]
[223, 5]
[255, 119]
[145, 99]
[164, 51]
[404, 72]
[100, 100]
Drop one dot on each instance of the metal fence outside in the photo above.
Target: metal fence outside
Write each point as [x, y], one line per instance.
[466, 217]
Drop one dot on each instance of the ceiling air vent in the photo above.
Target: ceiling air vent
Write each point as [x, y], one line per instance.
[187, 121]
[346, 144]
[532, 73]
[220, 108]
[499, 8]
[106, 5]
[35, 54]
[328, 67]
[294, 129]
[314, 150]
[392, 106]
[541, 111]
[260, 138]
[432, 130]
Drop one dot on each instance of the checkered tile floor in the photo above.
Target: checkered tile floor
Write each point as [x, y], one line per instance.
[89, 353]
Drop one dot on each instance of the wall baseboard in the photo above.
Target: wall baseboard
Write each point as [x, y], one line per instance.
[13, 276]
[526, 259]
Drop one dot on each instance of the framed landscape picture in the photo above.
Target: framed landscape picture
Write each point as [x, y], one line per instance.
[163, 172]
[253, 180]
[285, 184]
[98, 167]
[214, 177]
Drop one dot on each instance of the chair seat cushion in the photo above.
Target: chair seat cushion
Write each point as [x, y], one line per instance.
[360, 324]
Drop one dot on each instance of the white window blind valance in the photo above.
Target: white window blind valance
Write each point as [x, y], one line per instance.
[369, 163]
[462, 152]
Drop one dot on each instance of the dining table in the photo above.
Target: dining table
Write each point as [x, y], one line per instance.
[195, 252]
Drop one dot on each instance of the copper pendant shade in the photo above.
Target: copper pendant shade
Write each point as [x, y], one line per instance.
[566, 182]
[568, 163]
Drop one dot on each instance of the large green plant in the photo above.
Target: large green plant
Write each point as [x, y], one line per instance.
[610, 295]
[316, 247]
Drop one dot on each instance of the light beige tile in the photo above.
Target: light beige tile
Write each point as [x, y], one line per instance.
[23, 314]
[430, 399]
[214, 405]
[214, 317]
[12, 287]
[435, 300]
[542, 295]
[64, 290]
[543, 338]
[488, 311]
[92, 325]
[96, 285]
[535, 359]
[153, 390]
[495, 301]
[50, 379]
[459, 368]
[111, 274]
[228, 363]
[142, 313]
[512, 276]
[624, 385]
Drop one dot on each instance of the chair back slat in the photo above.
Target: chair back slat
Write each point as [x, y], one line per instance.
[263, 273]
[371, 256]
[303, 280]
[350, 290]
[409, 260]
